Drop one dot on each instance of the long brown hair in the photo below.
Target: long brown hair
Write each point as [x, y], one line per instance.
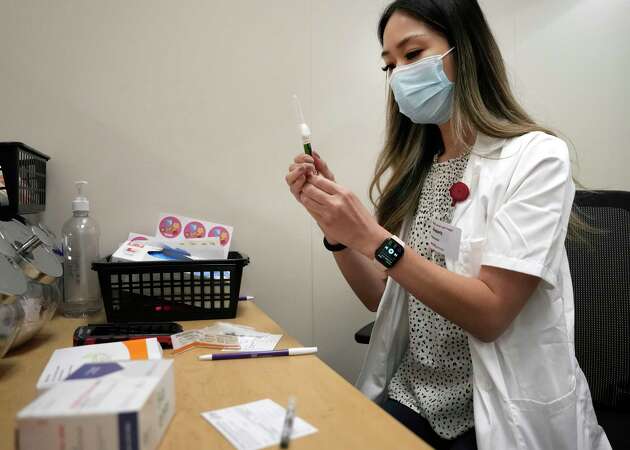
[482, 101]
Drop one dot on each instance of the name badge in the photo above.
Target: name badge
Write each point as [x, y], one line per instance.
[445, 239]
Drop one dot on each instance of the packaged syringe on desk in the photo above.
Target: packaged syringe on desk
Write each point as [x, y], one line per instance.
[107, 406]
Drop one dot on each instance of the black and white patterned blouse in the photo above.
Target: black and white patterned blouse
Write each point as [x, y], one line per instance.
[435, 375]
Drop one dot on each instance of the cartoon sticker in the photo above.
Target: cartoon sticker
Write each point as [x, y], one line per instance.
[221, 232]
[194, 230]
[170, 227]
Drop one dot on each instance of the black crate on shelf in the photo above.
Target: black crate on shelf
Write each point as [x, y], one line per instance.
[171, 290]
[22, 180]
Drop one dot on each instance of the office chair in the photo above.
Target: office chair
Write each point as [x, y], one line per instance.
[600, 270]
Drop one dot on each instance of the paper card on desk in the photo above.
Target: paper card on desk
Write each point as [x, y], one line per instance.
[255, 425]
[249, 339]
[64, 361]
[257, 343]
[233, 329]
[197, 338]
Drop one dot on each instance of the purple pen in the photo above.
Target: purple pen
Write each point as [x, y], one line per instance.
[264, 354]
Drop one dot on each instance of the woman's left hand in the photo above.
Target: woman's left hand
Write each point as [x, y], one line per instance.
[342, 216]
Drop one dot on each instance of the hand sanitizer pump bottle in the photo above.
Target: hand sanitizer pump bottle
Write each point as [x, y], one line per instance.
[80, 236]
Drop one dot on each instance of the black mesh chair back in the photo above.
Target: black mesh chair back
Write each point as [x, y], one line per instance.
[600, 270]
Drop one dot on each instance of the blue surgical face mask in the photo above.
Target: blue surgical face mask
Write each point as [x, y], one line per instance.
[423, 91]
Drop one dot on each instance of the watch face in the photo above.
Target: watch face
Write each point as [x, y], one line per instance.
[389, 253]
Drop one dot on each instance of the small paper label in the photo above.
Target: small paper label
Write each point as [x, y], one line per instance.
[445, 239]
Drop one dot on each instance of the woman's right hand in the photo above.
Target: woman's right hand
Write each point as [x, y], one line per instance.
[302, 166]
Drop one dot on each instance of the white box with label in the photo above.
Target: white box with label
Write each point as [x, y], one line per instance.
[106, 406]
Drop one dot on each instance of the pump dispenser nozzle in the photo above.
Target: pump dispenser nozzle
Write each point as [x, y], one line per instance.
[80, 203]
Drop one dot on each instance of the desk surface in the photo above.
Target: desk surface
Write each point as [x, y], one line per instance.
[344, 417]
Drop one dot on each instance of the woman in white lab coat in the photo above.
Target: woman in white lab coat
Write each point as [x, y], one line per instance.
[473, 341]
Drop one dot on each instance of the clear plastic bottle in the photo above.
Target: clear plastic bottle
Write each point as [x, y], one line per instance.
[80, 235]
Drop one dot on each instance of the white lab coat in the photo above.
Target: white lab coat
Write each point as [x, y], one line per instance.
[528, 391]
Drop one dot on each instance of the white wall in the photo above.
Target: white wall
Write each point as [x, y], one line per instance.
[568, 60]
[185, 107]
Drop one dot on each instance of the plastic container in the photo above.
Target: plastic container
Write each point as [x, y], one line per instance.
[80, 236]
[12, 285]
[56, 246]
[11, 319]
[171, 290]
[27, 248]
[12, 280]
[22, 180]
[33, 251]
[39, 305]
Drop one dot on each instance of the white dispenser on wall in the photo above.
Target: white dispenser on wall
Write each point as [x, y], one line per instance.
[80, 235]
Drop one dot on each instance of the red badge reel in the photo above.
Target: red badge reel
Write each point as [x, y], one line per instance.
[459, 192]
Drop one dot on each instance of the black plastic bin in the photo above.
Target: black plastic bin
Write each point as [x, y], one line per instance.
[159, 291]
[22, 180]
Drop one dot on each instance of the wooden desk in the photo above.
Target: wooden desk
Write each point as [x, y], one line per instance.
[344, 417]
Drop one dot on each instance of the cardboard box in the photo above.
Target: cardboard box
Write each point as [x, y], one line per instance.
[64, 361]
[102, 406]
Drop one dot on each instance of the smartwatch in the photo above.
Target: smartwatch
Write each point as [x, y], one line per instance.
[390, 252]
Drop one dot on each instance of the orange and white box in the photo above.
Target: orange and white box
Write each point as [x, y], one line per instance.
[64, 361]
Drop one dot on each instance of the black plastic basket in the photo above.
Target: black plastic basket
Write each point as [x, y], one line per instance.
[22, 180]
[171, 290]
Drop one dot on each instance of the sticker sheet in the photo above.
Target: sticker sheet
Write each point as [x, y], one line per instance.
[178, 228]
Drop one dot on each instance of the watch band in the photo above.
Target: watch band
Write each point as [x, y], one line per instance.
[397, 239]
[333, 247]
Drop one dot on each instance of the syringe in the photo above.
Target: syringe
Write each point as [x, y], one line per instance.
[305, 131]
